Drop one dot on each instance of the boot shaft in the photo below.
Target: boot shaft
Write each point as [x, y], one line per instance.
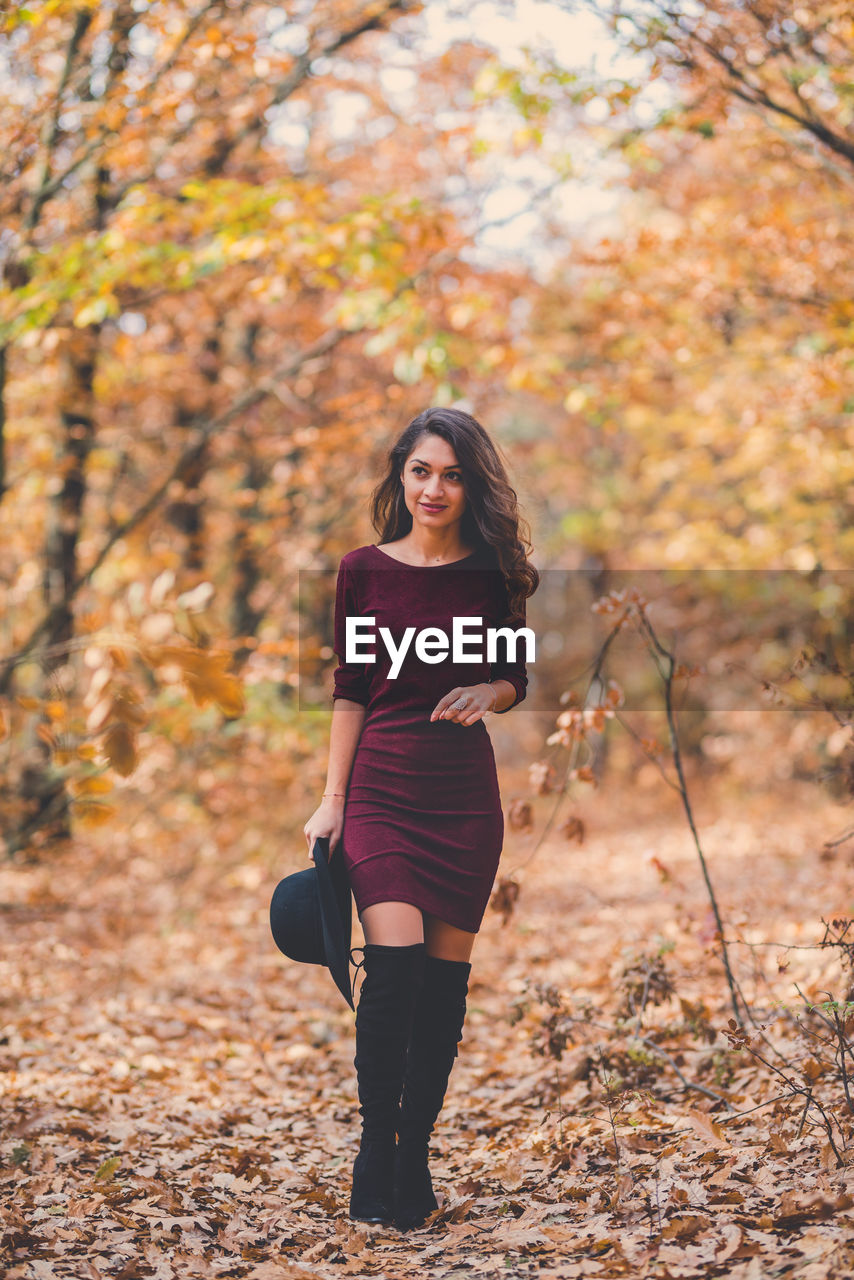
[437, 1027]
[383, 1023]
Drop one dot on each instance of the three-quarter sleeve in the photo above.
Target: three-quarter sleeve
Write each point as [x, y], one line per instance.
[503, 669]
[351, 679]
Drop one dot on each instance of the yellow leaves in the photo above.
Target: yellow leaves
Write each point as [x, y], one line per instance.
[518, 377]
[224, 690]
[90, 814]
[278, 647]
[524, 135]
[87, 809]
[107, 1170]
[492, 79]
[637, 416]
[36, 15]
[494, 355]
[95, 311]
[94, 785]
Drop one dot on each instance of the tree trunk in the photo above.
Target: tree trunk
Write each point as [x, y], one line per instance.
[45, 804]
[2, 422]
[187, 512]
[247, 571]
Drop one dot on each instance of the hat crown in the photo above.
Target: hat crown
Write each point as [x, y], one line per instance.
[311, 915]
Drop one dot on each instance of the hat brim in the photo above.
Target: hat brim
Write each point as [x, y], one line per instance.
[336, 913]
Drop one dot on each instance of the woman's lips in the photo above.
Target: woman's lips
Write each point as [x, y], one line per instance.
[429, 506]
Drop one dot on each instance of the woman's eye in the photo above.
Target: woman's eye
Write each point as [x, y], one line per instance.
[454, 475]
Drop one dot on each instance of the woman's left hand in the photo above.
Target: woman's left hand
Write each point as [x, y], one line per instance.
[466, 704]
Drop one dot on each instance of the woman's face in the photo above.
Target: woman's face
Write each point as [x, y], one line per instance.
[432, 479]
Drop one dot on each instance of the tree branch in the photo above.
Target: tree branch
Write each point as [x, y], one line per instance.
[45, 187]
[199, 432]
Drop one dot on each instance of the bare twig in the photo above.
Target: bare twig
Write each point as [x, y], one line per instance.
[689, 1084]
[657, 650]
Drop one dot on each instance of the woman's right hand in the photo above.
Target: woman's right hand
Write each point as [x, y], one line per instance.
[327, 820]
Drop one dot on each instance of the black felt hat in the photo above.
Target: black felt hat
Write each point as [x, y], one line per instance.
[311, 915]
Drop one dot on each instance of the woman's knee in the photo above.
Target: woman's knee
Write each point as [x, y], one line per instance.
[392, 924]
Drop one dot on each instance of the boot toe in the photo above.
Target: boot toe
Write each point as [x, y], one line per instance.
[372, 1193]
[414, 1198]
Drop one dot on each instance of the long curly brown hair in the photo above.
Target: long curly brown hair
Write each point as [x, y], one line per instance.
[491, 518]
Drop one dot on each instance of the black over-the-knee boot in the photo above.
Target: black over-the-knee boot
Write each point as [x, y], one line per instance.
[383, 1020]
[436, 1030]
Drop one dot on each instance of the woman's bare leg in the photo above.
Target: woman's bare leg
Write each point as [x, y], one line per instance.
[445, 941]
[392, 924]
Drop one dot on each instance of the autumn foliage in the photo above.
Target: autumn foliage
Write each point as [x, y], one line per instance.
[241, 246]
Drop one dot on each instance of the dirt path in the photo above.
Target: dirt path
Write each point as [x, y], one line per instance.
[180, 1100]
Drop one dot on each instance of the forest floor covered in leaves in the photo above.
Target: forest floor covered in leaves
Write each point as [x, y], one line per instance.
[178, 1099]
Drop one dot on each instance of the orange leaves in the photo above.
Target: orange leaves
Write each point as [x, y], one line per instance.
[504, 898]
[92, 785]
[119, 746]
[620, 605]
[574, 724]
[543, 1164]
[115, 709]
[90, 814]
[573, 828]
[204, 674]
[797, 1207]
[541, 775]
[85, 804]
[520, 815]
[707, 1128]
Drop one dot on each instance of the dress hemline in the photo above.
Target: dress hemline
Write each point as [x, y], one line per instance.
[410, 901]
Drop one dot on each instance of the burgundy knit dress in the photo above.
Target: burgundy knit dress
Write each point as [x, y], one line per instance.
[423, 821]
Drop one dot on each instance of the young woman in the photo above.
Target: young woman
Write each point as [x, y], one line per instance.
[412, 790]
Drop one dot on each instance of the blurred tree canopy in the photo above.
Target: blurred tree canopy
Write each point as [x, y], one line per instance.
[241, 246]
